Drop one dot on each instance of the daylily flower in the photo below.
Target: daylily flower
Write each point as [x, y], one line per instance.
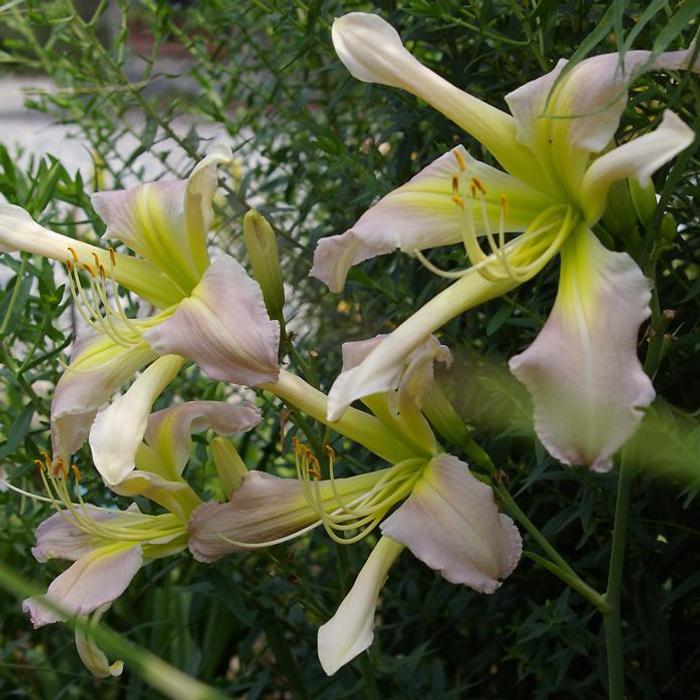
[448, 519]
[108, 547]
[209, 312]
[559, 160]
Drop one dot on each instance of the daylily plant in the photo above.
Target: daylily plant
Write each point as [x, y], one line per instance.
[211, 312]
[448, 519]
[559, 160]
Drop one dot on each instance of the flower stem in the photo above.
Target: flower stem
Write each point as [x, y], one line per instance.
[612, 622]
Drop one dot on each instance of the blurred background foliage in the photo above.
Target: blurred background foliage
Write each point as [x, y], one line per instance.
[142, 86]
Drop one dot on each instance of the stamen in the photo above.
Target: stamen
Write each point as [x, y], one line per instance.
[460, 159]
[361, 513]
[71, 250]
[517, 260]
[94, 305]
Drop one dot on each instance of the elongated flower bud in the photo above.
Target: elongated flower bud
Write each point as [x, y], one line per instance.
[443, 417]
[264, 257]
[668, 228]
[619, 216]
[229, 465]
[644, 199]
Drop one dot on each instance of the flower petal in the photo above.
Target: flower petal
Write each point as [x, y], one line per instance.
[351, 630]
[416, 374]
[400, 409]
[95, 579]
[263, 509]
[582, 370]
[638, 158]
[59, 537]
[176, 496]
[119, 428]
[372, 51]
[422, 214]
[224, 327]
[580, 116]
[166, 222]
[378, 371]
[98, 368]
[92, 656]
[451, 523]
[18, 231]
[358, 425]
[169, 431]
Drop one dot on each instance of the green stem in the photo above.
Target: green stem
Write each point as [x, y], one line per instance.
[512, 508]
[612, 622]
[574, 582]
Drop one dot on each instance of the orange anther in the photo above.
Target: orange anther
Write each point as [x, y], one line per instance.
[69, 265]
[112, 255]
[314, 472]
[460, 159]
[96, 259]
[76, 471]
[40, 464]
[455, 184]
[477, 183]
[330, 452]
[71, 249]
[504, 205]
[458, 201]
[102, 272]
[59, 468]
[88, 269]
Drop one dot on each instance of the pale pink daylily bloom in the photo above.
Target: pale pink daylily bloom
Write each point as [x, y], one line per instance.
[209, 312]
[450, 521]
[554, 188]
[105, 557]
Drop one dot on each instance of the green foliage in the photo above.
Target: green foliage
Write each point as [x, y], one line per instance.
[143, 87]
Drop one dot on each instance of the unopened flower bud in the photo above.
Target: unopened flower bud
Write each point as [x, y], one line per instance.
[619, 216]
[229, 465]
[442, 415]
[644, 200]
[264, 257]
[668, 228]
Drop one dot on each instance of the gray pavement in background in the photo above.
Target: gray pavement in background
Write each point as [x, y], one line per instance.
[34, 133]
